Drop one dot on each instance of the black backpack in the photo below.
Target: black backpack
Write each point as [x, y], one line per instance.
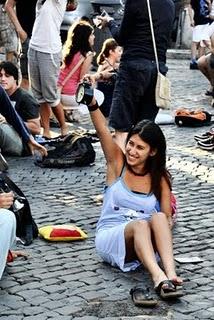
[26, 228]
[71, 150]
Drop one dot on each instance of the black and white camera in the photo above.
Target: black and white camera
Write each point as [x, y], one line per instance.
[84, 93]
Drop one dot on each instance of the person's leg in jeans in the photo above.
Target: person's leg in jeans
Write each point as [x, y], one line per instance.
[10, 141]
[7, 235]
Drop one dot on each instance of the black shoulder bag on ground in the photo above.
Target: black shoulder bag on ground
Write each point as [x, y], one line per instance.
[69, 151]
[26, 228]
[192, 118]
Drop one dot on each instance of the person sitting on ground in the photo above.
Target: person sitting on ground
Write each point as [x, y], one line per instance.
[108, 59]
[7, 228]
[7, 231]
[206, 66]
[137, 215]
[17, 141]
[77, 56]
[25, 104]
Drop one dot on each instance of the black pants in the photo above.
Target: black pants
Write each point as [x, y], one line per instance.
[134, 94]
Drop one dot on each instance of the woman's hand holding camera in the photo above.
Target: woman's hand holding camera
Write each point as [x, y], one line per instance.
[6, 200]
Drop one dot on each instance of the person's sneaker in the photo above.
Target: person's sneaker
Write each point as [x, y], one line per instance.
[204, 136]
[193, 65]
[3, 163]
[207, 144]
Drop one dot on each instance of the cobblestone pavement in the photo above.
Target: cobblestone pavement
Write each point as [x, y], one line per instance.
[66, 281]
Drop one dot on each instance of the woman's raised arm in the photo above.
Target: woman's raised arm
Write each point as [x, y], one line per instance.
[113, 154]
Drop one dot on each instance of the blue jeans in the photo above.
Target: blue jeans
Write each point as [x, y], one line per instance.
[7, 235]
[10, 141]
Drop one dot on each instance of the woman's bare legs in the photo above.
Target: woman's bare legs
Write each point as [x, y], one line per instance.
[139, 242]
[163, 240]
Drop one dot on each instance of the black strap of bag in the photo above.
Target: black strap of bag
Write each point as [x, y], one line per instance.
[26, 228]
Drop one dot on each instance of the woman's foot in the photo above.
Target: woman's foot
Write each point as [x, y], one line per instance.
[159, 278]
[168, 290]
[64, 130]
[175, 279]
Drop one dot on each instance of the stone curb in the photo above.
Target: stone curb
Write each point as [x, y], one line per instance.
[180, 54]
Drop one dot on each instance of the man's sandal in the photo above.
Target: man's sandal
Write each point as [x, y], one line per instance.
[142, 297]
[169, 290]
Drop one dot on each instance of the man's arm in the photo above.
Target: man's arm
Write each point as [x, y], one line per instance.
[10, 8]
[190, 12]
[121, 34]
[33, 126]
[12, 117]
[28, 109]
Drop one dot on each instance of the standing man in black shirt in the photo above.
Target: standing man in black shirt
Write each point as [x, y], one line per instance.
[134, 94]
[22, 15]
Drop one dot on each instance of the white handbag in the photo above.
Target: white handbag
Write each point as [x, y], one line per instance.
[163, 84]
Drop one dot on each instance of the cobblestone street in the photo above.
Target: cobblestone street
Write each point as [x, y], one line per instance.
[68, 281]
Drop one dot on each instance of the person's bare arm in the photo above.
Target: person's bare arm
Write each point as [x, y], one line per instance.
[35, 146]
[33, 126]
[113, 154]
[10, 8]
[190, 12]
[166, 201]
[6, 199]
[99, 75]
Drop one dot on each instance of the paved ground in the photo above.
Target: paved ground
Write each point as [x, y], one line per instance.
[66, 281]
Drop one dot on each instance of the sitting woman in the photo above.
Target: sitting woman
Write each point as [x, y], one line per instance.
[77, 59]
[7, 231]
[136, 216]
[108, 60]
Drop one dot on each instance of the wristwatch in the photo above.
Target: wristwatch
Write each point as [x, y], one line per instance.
[84, 93]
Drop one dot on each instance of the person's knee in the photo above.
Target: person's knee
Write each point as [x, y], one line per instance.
[140, 226]
[7, 218]
[202, 62]
[158, 216]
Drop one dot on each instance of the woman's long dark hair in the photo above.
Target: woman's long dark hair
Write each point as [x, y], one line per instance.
[151, 133]
[77, 41]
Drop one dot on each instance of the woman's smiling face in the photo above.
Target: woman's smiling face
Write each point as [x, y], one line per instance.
[137, 151]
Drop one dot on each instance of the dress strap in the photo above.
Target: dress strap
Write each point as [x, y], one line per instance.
[123, 170]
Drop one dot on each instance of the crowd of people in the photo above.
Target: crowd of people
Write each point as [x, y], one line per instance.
[136, 219]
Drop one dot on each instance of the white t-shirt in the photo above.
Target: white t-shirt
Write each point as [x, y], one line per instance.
[46, 29]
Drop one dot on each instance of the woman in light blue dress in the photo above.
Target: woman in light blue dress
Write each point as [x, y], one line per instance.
[136, 217]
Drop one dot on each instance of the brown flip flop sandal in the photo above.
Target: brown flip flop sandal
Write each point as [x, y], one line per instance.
[170, 291]
[142, 297]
